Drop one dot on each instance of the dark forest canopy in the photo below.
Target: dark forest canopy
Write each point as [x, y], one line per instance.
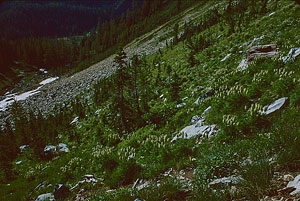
[56, 18]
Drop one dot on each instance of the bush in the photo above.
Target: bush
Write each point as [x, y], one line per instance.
[257, 179]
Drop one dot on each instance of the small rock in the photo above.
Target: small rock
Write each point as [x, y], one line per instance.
[49, 150]
[18, 162]
[89, 178]
[75, 120]
[144, 185]
[288, 177]
[180, 105]
[137, 199]
[168, 172]
[207, 110]
[195, 119]
[226, 57]
[267, 51]
[61, 192]
[43, 70]
[293, 53]
[271, 14]
[256, 40]
[219, 36]
[225, 180]
[262, 50]
[203, 96]
[243, 65]
[63, 147]
[45, 197]
[98, 111]
[24, 147]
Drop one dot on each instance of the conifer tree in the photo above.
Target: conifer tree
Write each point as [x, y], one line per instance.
[120, 81]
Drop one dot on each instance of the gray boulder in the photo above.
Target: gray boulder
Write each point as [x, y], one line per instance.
[45, 197]
[49, 150]
[262, 50]
[296, 185]
[63, 147]
[267, 51]
[293, 53]
[276, 105]
[243, 65]
[197, 130]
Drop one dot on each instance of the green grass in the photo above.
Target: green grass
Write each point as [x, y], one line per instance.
[270, 142]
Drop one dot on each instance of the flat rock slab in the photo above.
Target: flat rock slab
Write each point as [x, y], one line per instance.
[196, 130]
[276, 105]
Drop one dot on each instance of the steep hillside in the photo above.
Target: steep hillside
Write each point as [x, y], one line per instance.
[205, 107]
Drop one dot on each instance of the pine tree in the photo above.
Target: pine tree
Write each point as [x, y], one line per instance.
[120, 81]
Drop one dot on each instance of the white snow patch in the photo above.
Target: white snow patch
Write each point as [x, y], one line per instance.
[11, 98]
[51, 79]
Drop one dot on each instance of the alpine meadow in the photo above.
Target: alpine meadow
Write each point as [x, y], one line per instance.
[150, 100]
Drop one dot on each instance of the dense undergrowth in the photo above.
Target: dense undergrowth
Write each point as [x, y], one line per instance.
[126, 127]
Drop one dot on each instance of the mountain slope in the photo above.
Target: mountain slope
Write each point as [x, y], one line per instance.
[241, 125]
